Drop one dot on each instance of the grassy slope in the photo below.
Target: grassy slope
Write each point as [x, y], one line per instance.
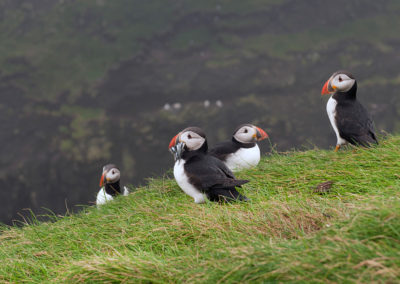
[285, 233]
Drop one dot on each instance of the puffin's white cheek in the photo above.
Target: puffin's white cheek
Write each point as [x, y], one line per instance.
[245, 137]
[344, 86]
[347, 85]
[191, 144]
[112, 177]
[188, 144]
[194, 144]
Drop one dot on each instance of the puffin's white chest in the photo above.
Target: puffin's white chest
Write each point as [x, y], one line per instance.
[244, 158]
[183, 182]
[331, 110]
[103, 197]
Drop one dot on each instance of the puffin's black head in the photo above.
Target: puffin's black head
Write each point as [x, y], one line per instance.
[340, 81]
[110, 174]
[248, 133]
[189, 139]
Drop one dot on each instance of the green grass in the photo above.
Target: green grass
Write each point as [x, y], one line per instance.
[285, 233]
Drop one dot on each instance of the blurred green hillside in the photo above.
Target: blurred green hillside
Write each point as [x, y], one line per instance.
[83, 83]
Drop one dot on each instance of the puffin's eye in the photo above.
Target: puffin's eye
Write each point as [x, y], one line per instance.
[340, 79]
[190, 136]
[245, 130]
[113, 172]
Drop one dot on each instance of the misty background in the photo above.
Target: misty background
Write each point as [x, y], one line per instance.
[86, 83]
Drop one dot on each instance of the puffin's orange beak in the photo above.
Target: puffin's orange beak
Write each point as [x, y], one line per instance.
[325, 90]
[261, 134]
[173, 141]
[102, 179]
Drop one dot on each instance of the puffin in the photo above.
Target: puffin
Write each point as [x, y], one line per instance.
[242, 151]
[199, 174]
[109, 185]
[349, 118]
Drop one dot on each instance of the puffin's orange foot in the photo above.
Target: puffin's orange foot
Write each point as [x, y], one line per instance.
[337, 148]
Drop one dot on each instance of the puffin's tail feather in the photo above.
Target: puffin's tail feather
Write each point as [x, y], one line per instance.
[223, 183]
[225, 195]
[241, 182]
[365, 140]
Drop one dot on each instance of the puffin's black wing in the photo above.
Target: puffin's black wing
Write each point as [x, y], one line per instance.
[355, 124]
[223, 149]
[208, 172]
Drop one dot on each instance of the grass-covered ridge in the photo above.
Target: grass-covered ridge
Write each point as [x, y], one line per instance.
[287, 232]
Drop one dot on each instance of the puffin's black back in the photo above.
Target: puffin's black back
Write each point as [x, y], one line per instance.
[223, 149]
[353, 120]
[211, 176]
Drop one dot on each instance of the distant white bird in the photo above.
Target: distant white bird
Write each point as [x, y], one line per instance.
[109, 185]
[219, 103]
[206, 103]
[177, 106]
[167, 106]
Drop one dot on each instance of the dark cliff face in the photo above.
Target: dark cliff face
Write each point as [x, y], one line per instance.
[83, 84]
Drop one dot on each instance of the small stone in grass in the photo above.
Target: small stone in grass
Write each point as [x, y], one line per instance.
[323, 188]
